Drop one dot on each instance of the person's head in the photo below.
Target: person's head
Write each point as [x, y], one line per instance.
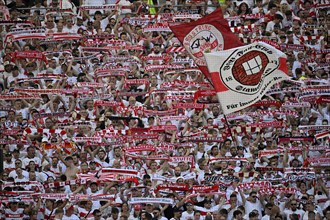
[215, 111]
[293, 205]
[13, 206]
[177, 171]
[69, 160]
[101, 154]
[145, 216]
[8, 66]
[177, 213]
[8, 156]
[153, 165]
[92, 165]
[326, 212]
[157, 48]
[295, 163]
[253, 216]
[31, 151]
[59, 27]
[233, 151]
[123, 36]
[97, 16]
[117, 151]
[114, 213]
[49, 123]
[272, 8]
[268, 208]
[190, 206]
[32, 166]
[309, 206]
[97, 214]
[197, 215]
[233, 198]
[75, 158]
[223, 213]
[94, 187]
[238, 215]
[90, 104]
[227, 144]
[84, 167]
[11, 115]
[278, 18]
[214, 150]
[59, 213]
[156, 212]
[113, 190]
[253, 196]
[243, 7]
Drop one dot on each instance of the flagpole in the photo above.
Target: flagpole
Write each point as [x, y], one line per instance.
[231, 135]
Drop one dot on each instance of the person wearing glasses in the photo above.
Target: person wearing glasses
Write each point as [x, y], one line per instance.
[189, 213]
[312, 211]
[268, 212]
[294, 209]
[8, 163]
[157, 213]
[97, 215]
[18, 165]
[252, 202]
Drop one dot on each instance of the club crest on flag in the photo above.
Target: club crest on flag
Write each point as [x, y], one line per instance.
[206, 35]
[203, 39]
[241, 76]
[244, 70]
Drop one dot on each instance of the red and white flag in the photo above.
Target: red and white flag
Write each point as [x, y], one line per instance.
[241, 76]
[209, 34]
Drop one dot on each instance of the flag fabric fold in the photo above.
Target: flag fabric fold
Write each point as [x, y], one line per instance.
[241, 76]
[208, 34]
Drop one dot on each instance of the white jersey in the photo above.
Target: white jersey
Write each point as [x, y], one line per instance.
[11, 215]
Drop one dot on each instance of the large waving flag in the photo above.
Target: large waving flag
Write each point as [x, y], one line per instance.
[241, 76]
[208, 34]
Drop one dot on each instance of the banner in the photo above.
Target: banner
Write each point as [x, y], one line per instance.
[138, 200]
[241, 76]
[209, 34]
[29, 54]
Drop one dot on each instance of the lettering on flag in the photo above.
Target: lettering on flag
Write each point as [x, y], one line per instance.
[241, 76]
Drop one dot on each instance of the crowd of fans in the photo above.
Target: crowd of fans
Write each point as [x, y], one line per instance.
[105, 116]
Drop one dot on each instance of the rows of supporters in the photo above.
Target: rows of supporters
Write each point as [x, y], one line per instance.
[104, 115]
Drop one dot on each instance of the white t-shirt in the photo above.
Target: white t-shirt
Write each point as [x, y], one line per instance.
[8, 165]
[36, 160]
[13, 174]
[249, 207]
[185, 215]
[72, 217]
[289, 212]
